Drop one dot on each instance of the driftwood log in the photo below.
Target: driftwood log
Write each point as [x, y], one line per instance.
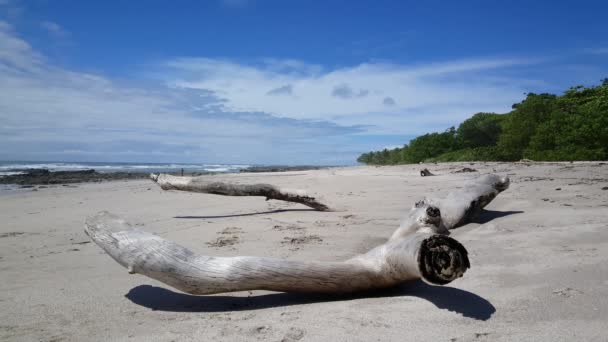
[438, 259]
[419, 249]
[464, 205]
[203, 185]
[425, 173]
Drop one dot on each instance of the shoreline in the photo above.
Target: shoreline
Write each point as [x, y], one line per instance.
[32, 177]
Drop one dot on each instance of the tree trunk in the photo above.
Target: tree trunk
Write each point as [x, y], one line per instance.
[201, 184]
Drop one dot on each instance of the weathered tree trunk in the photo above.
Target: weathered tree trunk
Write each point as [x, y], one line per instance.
[423, 254]
[202, 184]
[464, 205]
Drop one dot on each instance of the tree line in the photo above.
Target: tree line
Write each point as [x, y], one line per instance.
[543, 127]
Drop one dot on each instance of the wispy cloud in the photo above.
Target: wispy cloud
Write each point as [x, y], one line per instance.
[284, 90]
[15, 53]
[346, 92]
[10, 9]
[55, 30]
[388, 101]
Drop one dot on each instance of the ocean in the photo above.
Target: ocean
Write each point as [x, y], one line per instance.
[18, 167]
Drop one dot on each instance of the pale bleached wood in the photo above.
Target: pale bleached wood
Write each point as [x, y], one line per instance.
[464, 205]
[203, 185]
[421, 254]
[417, 250]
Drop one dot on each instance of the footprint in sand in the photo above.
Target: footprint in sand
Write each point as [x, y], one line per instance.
[227, 238]
[11, 234]
[296, 242]
[289, 227]
[567, 292]
[294, 334]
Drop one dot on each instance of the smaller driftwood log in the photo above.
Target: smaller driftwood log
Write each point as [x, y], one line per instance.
[464, 205]
[203, 185]
[425, 173]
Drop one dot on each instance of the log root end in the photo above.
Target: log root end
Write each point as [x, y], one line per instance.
[442, 259]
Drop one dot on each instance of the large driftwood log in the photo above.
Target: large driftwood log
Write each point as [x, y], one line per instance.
[464, 205]
[417, 250]
[203, 185]
[420, 254]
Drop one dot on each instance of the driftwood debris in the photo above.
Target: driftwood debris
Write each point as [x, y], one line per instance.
[425, 173]
[465, 170]
[464, 205]
[419, 249]
[203, 185]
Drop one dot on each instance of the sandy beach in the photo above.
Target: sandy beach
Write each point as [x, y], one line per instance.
[539, 259]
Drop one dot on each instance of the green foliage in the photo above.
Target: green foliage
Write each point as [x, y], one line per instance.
[487, 153]
[573, 126]
[482, 129]
[578, 130]
[520, 125]
[430, 145]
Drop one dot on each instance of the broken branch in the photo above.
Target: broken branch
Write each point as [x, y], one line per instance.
[202, 185]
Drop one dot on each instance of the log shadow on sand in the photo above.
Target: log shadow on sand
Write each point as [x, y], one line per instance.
[488, 215]
[240, 215]
[452, 299]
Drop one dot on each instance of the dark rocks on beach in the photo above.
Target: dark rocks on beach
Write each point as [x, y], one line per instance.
[280, 168]
[43, 176]
[32, 177]
[464, 170]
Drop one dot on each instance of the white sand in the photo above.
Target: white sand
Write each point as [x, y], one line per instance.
[539, 260]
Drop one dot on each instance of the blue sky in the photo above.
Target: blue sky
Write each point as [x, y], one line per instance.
[262, 81]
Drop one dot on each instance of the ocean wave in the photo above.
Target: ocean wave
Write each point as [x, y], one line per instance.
[10, 173]
[16, 167]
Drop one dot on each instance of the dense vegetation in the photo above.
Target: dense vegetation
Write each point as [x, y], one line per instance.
[544, 127]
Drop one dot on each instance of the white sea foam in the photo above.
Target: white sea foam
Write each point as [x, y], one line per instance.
[10, 173]
[11, 168]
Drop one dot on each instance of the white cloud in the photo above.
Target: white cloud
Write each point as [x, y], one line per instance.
[407, 95]
[284, 90]
[16, 53]
[346, 92]
[388, 101]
